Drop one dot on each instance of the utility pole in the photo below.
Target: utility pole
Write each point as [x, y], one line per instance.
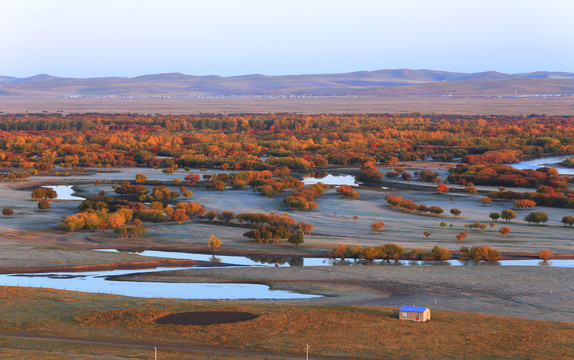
[307, 349]
[155, 349]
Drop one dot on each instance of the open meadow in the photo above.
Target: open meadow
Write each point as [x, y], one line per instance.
[104, 326]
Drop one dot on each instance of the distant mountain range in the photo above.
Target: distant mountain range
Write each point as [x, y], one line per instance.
[402, 82]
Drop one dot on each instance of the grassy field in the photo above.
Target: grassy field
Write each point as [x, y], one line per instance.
[340, 332]
[402, 104]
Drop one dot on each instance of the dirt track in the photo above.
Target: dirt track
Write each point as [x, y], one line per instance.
[160, 346]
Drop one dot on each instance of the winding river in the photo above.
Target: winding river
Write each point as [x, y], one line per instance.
[99, 282]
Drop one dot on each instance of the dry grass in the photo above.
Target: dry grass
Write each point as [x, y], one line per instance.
[403, 104]
[355, 332]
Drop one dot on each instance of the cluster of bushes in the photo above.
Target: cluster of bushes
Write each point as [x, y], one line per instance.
[44, 193]
[477, 225]
[568, 220]
[385, 252]
[265, 219]
[102, 211]
[138, 191]
[275, 228]
[369, 174]
[536, 217]
[269, 187]
[292, 162]
[503, 175]
[348, 192]
[136, 230]
[302, 199]
[399, 172]
[479, 253]
[410, 206]
[544, 196]
[436, 254]
[427, 176]
[494, 157]
[90, 220]
[260, 181]
[16, 175]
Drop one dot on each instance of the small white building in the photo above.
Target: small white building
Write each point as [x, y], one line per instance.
[414, 313]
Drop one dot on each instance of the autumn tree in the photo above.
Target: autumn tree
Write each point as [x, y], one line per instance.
[536, 217]
[545, 254]
[116, 220]
[296, 238]
[442, 188]
[504, 231]
[180, 216]
[568, 220]
[348, 192]
[494, 216]
[44, 193]
[7, 212]
[455, 212]
[226, 216]
[508, 215]
[377, 226]
[44, 205]
[214, 242]
[479, 253]
[141, 178]
[436, 254]
[524, 204]
[485, 201]
[305, 227]
[211, 215]
[340, 251]
[460, 237]
[427, 234]
[471, 190]
[369, 174]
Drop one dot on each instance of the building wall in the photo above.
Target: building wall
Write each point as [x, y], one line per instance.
[412, 316]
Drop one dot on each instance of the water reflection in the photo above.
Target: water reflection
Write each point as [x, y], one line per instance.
[320, 261]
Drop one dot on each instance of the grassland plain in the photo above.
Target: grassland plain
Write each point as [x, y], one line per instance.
[333, 331]
[390, 104]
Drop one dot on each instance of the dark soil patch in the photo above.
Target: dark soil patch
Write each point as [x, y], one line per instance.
[205, 318]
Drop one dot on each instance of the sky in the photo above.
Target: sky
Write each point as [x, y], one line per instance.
[86, 38]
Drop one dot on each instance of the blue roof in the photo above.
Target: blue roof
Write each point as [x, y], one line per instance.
[413, 308]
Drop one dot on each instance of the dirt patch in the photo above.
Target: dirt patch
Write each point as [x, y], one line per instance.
[205, 318]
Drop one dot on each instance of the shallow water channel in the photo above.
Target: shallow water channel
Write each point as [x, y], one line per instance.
[98, 282]
[65, 192]
[549, 161]
[319, 261]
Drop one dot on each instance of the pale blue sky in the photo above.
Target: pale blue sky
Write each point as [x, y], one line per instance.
[86, 38]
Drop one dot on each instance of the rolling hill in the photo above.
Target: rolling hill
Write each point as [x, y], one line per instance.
[400, 82]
